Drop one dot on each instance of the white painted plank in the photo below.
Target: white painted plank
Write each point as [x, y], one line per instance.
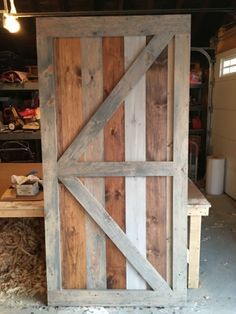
[92, 95]
[135, 150]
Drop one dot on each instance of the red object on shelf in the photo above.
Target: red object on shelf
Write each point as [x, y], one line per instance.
[196, 123]
[27, 113]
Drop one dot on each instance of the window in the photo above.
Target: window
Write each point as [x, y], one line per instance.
[228, 65]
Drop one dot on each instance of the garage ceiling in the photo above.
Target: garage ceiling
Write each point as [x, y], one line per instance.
[207, 17]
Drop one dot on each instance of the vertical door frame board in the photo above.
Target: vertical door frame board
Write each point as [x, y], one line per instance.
[180, 153]
[169, 187]
[49, 153]
[50, 28]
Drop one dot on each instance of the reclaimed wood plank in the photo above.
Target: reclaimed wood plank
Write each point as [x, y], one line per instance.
[92, 95]
[105, 26]
[149, 273]
[157, 150]
[127, 169]
[112, 298]
[169, 183]
[180, 155]
[117, 95]
[195, 210]
[194, 251]
[115, 233]
[195, 197]
[113, 68]
[69, 122]
[135, 150]
[21, 209]
[49, 156]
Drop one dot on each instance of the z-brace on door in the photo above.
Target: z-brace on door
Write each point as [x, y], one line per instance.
[114, 102]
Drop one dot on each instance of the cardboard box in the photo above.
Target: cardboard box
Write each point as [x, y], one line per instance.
[27, 189]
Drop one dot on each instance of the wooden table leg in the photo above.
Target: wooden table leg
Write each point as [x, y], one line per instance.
[194, 251]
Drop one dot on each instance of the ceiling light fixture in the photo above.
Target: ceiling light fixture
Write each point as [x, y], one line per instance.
[10, 21]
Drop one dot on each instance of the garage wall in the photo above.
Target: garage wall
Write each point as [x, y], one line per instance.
[224, 121]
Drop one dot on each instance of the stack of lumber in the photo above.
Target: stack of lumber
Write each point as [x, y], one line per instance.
[22, 257]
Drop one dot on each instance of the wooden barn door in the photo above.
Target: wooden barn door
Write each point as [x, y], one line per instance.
[114, 101]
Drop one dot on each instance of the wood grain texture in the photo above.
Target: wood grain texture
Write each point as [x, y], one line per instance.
[194, 251]
[157, 150]
[105, 26]
[49, 156]
[112, 298]
[69, 122]
[127, 169]
[226, 40]
[195, 196]
[75, 147]
[21, 209]
[180, 154]
[113, 69]
[115, 98]
[135, 150]
[115, 233]
[92, 95]
[170, 135]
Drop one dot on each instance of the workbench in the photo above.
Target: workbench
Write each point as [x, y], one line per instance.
[198, 206]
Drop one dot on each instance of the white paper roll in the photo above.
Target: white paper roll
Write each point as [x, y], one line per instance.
[215, 175]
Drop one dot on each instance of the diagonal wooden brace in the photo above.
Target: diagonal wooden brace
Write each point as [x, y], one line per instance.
[109, 106]
[116, 234]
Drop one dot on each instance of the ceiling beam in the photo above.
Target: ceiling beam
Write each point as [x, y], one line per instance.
[126, 12]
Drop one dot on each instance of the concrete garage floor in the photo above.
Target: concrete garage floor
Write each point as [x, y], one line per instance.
[217, 292]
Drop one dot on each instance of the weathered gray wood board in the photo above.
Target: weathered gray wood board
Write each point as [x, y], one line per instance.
[115, 103]
[180, 144]
[92, 84]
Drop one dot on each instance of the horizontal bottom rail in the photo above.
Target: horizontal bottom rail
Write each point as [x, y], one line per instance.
[112, 298]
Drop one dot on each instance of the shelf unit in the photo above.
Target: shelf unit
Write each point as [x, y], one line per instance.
[27, 86]
[31, 137]
[197, 135]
